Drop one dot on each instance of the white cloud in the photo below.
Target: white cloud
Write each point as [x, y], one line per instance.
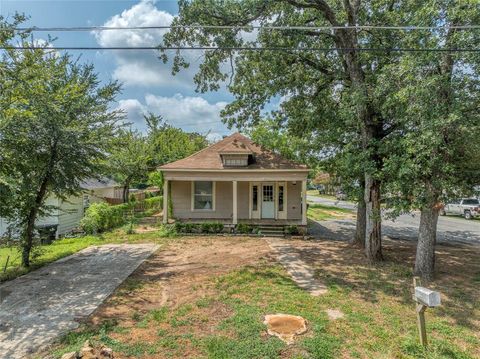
[143, 67]
[191, 113]
[134, 111]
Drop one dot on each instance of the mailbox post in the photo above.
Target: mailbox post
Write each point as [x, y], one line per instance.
[425, 298]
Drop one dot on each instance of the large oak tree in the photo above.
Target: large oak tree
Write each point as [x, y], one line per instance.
[327, 93]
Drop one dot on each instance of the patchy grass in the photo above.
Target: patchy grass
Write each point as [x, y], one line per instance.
[61, 248]
[315, 193]
[219, 312]
[320, 212]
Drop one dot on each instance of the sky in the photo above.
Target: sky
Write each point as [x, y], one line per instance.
[148, 85]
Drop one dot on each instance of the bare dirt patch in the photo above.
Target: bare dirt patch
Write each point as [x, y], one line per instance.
[178, 277]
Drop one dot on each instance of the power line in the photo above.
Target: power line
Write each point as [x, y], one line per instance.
[234, 27]
[237, 48]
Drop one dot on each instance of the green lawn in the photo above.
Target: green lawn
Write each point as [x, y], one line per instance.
[43, 255]
[314, 192]
[320, 212]
[379, 317]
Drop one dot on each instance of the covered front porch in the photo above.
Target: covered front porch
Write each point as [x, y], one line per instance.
[275, 199]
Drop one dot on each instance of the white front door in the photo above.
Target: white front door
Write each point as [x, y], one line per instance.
[268, 201]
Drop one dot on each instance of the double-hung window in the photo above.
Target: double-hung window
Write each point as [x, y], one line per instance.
[203, 195]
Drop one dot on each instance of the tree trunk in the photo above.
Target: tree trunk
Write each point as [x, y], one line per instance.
[373, 220]
[28, 238]
[33, 211]
[359, 238]
[427, 237]
[32, 216]
[126, 190]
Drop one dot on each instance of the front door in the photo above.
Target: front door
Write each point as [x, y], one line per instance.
[268, 201]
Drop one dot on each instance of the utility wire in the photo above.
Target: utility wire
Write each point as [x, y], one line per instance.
[233, 27]
[239, 48]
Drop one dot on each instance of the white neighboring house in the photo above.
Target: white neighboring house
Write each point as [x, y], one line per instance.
[69, 212]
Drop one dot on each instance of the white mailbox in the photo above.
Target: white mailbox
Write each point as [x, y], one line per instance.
[427, 297]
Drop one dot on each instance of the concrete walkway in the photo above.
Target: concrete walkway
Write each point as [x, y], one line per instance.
[38, 307]
[301, 272]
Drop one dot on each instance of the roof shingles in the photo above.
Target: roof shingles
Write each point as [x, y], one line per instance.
[209, 158]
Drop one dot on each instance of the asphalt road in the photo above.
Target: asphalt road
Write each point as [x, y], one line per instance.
[450, 228]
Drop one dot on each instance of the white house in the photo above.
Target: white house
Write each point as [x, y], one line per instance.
[69, 212]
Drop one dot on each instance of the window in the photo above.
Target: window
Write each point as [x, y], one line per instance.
[254, 198]
[203, 195]
[280, 198]
[236, 162]
[267, 193]
[471, 201]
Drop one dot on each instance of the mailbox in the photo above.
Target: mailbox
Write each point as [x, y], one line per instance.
[427, 297]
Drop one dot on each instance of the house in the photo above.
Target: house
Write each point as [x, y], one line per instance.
[101, 190]
[68, 213]
[236, 181]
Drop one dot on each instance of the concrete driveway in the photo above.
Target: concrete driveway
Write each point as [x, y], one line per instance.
[449, 229]
[38, 307]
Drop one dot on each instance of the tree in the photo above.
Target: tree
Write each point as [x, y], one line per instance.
[168, 143]
[129, 159]
[55, 130]
[435, 156]
[328, 94]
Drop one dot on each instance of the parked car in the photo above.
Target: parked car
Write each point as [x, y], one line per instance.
[340, 195]
[466, 207]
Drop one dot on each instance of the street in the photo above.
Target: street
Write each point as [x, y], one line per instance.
[450, 228]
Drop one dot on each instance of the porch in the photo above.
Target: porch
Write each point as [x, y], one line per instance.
[277, 199]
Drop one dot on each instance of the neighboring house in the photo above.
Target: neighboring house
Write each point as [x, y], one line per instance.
[69, 212]
[236, 181]
[101, 190]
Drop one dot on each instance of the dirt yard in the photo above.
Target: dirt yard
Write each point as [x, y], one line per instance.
[207, 296]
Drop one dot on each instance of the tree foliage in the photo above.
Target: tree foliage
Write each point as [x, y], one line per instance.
[55, 130]
[386, 118]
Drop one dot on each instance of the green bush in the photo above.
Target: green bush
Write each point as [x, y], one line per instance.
[179, 227]
[211, 227]
[245, 228]
[191, 228]
[293, 230]
[100, 217]
[154, 203]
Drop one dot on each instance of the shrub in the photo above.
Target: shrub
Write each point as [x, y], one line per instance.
[205, 227]
[191, 228]
[217, 227]
[154, 203]
[211, 227]
[100, 217]
[179, 227]
[293, 230]
[244, 228]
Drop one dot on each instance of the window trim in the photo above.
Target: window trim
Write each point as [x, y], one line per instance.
[192, 197]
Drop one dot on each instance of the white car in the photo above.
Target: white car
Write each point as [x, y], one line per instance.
[466, 207]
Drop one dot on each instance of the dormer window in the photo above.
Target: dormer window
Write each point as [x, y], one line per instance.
[235, 161]
[236, 154]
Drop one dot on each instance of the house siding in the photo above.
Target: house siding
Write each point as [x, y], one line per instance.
[181, 197]
[294, 200]
[70, 214]
[182, 201]
[243, 195]
[67, 216]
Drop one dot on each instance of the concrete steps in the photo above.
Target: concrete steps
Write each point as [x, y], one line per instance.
[272, 231]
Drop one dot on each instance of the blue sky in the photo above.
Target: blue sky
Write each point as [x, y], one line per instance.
[147, 83]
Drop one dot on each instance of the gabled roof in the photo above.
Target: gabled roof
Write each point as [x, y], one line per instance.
[209, 158]
[236, 147]
[94, 183]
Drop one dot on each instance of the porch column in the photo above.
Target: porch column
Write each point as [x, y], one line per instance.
[165, 201]
[235, 214]
[304, 202]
